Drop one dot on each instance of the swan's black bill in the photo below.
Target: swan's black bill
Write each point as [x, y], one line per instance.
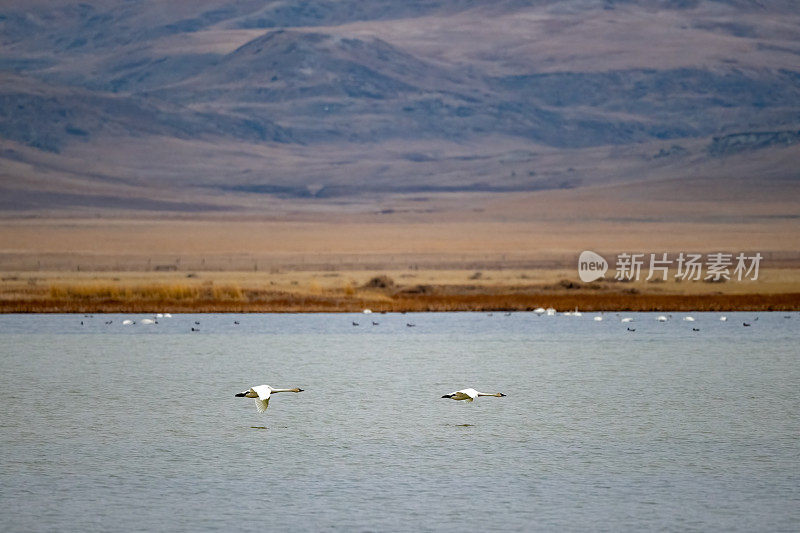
[447, 396]
[240, 395]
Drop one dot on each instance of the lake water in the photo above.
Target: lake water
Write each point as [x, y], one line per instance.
[110, 427]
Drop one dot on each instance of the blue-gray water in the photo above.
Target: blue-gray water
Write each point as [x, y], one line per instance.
[112, 427]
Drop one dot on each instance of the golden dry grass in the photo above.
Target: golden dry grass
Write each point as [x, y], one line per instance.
[454, 290]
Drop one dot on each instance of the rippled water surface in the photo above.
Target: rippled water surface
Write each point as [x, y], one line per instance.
[105, 426]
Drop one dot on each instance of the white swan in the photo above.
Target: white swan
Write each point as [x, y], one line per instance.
[688, 318]
[470, 394]
[723, 319]
[147, 321]
[662, 318]
[627, 319]
[598, 319]
[261, 394]
[539, 310]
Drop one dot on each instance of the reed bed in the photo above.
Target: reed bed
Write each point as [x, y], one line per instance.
[94, 292]
[207, 297]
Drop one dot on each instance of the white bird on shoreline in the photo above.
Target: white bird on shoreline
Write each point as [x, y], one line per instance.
[261, 393]
[470, 394]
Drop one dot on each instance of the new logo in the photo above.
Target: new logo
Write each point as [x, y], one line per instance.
[591, 266]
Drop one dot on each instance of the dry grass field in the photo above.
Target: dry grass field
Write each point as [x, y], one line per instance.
[403, 290]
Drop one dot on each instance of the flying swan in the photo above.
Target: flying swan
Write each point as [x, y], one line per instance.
[261, 393]
[470, 394]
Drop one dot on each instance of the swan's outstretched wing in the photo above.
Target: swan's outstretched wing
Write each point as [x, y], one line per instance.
[262, 405]
[467, 395]
[263, 392]
[470, 394]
